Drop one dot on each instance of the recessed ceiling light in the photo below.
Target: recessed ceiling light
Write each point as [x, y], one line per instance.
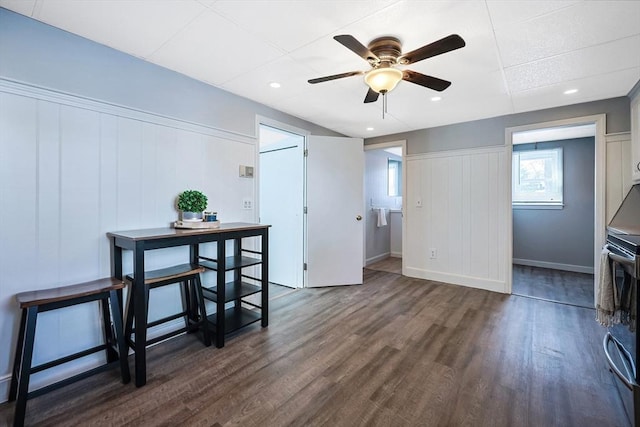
[570, 91]
[369, 128]
[274, 85]
[436, 98]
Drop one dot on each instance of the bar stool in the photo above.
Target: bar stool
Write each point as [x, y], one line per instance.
[193, 305]
[34, 302]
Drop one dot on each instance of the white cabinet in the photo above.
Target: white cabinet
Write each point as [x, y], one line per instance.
[635, 137]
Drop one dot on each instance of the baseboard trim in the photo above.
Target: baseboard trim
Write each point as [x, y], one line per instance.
[376, 258]
[455, 279]
[554, 265]
[396, 254]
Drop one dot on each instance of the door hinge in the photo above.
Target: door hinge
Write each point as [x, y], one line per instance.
[304, 266]
[306, 152]
[304, 210]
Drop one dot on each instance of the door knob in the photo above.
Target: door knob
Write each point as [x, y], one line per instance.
[359, 218]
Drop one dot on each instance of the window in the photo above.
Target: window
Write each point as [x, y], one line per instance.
[537, 178]
[395, 177]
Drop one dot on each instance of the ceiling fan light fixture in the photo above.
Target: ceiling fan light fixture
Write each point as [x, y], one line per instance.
[383, 80]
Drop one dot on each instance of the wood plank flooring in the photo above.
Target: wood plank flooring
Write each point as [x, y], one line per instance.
[555, 285]
[395, 351]
[390, 265]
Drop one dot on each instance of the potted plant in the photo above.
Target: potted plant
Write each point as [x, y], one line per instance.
[191, 204]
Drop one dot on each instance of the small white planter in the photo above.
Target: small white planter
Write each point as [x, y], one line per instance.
[191, 216]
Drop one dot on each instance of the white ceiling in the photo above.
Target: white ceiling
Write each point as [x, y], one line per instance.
[520, 55]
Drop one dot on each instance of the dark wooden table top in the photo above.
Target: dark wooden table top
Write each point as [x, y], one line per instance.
[163, 232]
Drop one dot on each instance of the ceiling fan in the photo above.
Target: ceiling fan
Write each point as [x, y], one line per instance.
[384, 54]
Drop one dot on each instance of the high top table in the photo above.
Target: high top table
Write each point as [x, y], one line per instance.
[140, 241]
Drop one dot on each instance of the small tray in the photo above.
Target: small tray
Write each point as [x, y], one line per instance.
[198, 224]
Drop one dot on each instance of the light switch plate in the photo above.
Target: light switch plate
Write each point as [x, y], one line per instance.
[247, 204]
[246, 171]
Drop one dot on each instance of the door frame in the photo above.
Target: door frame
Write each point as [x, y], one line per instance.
[600, 181]
[266, 121]
[382, 145]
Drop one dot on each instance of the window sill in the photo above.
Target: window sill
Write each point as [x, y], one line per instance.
[537, 205]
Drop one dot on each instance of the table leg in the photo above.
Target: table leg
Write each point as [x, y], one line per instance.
[194, 259]
[221, 278]
[194, 253]
[265, 278]
[116, 267]
[140, 312]
[237, 254]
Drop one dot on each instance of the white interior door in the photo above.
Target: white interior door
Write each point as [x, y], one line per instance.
[281, 205]
[335, 241]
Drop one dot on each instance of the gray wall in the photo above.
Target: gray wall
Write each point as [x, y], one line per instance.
[38, 54]
[378, 239]
[487, 132]
[563, 236]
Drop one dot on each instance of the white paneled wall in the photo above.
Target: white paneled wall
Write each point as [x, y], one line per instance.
[462, 196]
[618, 171]
[70, 171]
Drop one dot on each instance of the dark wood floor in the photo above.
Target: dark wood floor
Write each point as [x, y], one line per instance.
[390, 265]
[555, 285]
[395, 351]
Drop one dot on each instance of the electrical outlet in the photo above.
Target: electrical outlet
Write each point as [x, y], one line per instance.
[247, 204]
[433, 253]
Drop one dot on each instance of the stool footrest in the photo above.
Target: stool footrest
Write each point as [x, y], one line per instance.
[68, 358]
[165, 319]
[71, 380]
[151, 341]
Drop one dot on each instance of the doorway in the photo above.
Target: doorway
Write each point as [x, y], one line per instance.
[281, 201]
[310, 191]
[557, 176]
[384, 180]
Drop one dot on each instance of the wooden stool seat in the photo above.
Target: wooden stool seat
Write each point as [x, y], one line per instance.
[170, 274]
[105, 291]
[194, 310]
[65, 293]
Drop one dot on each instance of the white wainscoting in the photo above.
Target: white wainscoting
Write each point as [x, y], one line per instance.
[73, 169]
[618, 171]
[462, 216]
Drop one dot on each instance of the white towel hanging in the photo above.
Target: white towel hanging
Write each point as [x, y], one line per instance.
[382, 217]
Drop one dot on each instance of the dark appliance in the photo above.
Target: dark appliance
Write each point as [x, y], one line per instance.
[621, 344]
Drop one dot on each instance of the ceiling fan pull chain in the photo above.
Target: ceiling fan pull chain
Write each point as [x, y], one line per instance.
[384, 104]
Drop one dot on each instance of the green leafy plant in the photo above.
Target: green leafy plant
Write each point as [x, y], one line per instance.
[192, 201]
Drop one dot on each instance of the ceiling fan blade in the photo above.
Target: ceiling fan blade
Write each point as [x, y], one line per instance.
[354, 45]
[441, 46]
[426, 81]
[335, 76]
[372, 96]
